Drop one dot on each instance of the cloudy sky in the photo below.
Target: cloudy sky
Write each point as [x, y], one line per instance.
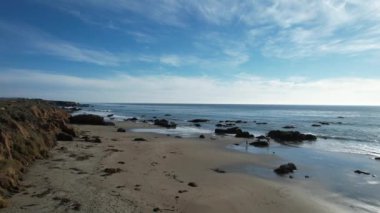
[192, 51]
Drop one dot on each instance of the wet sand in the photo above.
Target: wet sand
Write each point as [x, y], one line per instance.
[161, 174]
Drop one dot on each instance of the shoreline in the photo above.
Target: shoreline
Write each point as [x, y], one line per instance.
[155, 174]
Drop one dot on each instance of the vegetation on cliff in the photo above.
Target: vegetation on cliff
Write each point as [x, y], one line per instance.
[28, 130]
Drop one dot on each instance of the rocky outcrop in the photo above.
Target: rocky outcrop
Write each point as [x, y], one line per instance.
[28, 130]
[244, 134]
[165, 123]
[285, 169]
[290, 136]
[87, 119]
[289, 127]
[233, 130]
[260, 141]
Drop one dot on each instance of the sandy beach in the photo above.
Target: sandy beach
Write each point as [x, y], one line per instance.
[161, 174]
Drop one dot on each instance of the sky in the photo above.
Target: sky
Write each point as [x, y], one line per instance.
[192, 51]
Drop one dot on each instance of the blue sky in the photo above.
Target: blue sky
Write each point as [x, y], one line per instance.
[192, 51]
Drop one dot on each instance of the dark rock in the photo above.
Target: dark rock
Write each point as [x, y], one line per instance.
[340, 117]
[316, 125]
[168, 115]
[131, 119]
[361, 172]
[62, 136]
[217, 170]
[198, 120]
[290, 136]
[121, 130]
[165, 123]
[242, 134]
[307, 176]
[291, 176]
[288, 127]
[233, 130]
[377, 158]
[156, 209]
[178, 136]
[219, 125]
[139, 139]
[285, 169]
[324, 123]
[202, 136]
[260, 143]
[236, 144]
[261, 123]
[110, 115]
[87, 119]
[197, 125]
[110, 171]
[192, 184]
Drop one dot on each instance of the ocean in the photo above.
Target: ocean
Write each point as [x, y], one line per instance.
[350, 129]
[348, 139]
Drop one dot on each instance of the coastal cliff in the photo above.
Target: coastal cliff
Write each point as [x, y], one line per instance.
[28, 130]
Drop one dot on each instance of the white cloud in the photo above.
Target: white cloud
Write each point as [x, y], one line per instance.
[172, 60]
[176, 89]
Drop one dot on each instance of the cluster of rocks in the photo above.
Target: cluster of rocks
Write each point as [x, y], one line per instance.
[165, 123]
[89, 119]
[234, 130]
[290, 136]
[68, 106]
[260, 141]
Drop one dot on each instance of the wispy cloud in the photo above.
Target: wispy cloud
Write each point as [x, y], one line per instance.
[176, 89]
[283, 28]
[44, 43]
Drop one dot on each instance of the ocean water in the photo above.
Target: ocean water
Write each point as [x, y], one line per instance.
[357, 132]
[351, 141]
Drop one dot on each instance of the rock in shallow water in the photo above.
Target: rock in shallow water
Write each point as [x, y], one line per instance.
[198, 120]
[285, 169]
[290, 136]
[165, 123]
[242, 134]
[233, 130]
[361, 172]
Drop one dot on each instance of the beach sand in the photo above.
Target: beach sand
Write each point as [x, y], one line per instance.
[154, 175]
